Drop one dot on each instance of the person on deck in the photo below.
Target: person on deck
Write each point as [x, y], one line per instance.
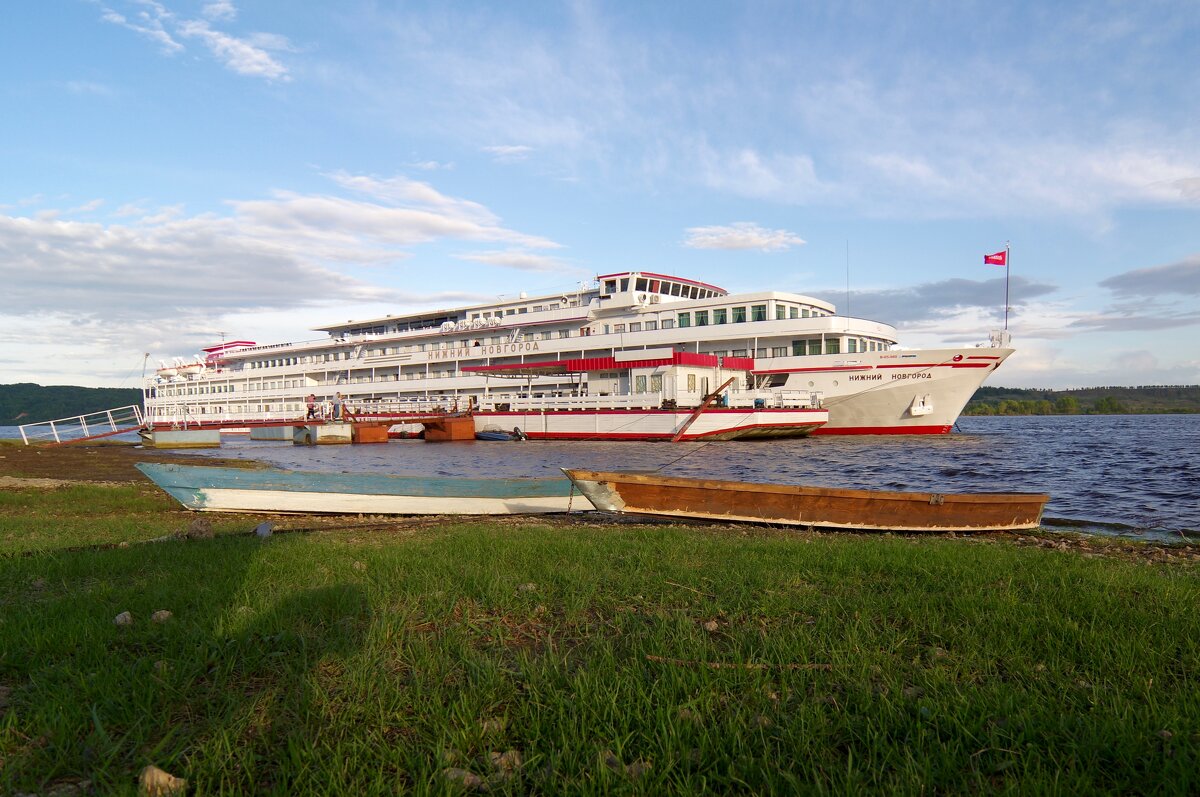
[338, 402]
[311, 401]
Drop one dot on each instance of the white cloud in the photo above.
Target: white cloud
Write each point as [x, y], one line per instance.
[243, 56]
[507, 153]
[741, 235]
[219, 10]
[250, 55]
[287, 251]
[524, 261]
[88, 87]
[149, 24]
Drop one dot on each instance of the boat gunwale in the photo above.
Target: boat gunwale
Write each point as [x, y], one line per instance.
[806, 490]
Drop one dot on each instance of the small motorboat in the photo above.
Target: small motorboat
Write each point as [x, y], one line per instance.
[630, 492]
[493, 433]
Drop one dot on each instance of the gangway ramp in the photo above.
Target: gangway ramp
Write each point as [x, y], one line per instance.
[81, 428]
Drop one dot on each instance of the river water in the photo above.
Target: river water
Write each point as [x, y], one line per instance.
[1133, 475]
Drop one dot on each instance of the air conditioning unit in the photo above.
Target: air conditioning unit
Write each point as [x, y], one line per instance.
[655, 298]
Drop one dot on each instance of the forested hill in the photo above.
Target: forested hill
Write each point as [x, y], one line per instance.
[1153, 399]
[29, 403]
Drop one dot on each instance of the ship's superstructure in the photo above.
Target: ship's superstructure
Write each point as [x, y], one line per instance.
[633, 340]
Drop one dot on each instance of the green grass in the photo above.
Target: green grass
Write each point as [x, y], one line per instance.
[357, 662]
[85, 514]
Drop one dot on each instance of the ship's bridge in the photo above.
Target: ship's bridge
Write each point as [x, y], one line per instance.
[629, 288]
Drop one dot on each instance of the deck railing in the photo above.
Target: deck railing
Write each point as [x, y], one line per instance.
[89, 426]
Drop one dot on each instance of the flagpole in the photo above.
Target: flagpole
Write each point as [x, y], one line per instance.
[1007, 272]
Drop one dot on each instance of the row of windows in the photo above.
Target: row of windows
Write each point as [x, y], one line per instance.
[737, 315]
[664, 287]
[536, 308]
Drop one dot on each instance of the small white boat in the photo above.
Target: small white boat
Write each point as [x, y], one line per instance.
[216, 489]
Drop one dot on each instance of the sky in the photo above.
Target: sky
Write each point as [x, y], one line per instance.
[174, 173]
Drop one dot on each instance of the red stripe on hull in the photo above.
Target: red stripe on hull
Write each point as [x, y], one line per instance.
[885, 430]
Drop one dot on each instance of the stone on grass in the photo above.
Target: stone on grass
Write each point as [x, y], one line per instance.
[507, 762]
[264, 529]
[530, 587]
[463, 777]
[124, 618]
[711, 626]
[200, 529]
[156, 783]
[160, 616]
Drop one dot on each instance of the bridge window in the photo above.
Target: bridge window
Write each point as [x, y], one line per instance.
[651, 325]
[719, 315]
[685, 320]
[833, 346]
[739, 315]
[758, 312]
[701, 318]
[780, 312]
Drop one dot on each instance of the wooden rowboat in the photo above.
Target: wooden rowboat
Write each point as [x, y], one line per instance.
[215, 489]
[796, 505]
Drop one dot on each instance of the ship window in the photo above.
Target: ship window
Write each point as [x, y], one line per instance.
[793, 312]
[760, 352]
[833, 346]
[625, 284]
[719, 315]
[610, 286]
[640, 284]
[739, 315]
[564, 333]
[618, 328]
[651, 325]
[701, 318]
[693, 292]
[656, 383]
[779, 351]
[654, 284]
[510, 311]
[804, 313]
[554, 306]
[523, 310]
[814, 346]
[852, 346]
[636, 326]
[639, 384]
[675, 288]
[780, 312]
[537, 308]
[668, 323]
[691, 383]
[606, 329]
[685, 320]
[758, 312]
[799, 348]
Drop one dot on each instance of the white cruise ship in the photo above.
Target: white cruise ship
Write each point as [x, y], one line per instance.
[632, 356]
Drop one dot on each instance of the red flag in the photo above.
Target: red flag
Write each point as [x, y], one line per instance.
[998, 259]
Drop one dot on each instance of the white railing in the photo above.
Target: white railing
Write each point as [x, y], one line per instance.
[83, 427]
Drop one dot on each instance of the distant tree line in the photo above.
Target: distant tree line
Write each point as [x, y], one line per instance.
[27, 402]
[1144, 400]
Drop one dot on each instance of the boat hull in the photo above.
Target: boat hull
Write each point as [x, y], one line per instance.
[795, 505]
[214, 489]
[641, 424]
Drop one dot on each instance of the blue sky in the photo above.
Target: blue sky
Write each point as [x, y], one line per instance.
[177, 171]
